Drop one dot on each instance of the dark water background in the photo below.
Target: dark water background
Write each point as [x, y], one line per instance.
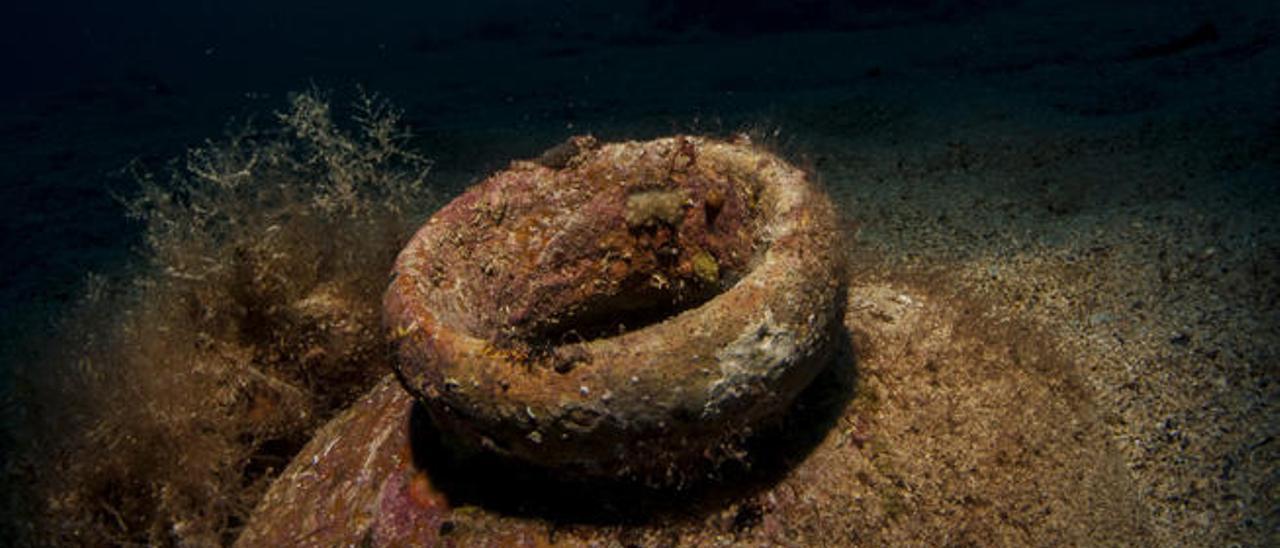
[94, 85]
[91, 86]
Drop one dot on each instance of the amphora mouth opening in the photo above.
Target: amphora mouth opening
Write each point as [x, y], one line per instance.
[621, 309]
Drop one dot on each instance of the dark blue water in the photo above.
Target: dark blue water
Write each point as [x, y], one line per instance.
[91, 86]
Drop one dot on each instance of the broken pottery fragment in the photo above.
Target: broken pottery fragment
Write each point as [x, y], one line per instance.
[626, 311]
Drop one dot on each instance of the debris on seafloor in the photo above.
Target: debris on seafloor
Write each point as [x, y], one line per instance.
[540, 402]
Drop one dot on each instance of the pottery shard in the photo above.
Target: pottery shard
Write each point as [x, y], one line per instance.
[622, 309]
